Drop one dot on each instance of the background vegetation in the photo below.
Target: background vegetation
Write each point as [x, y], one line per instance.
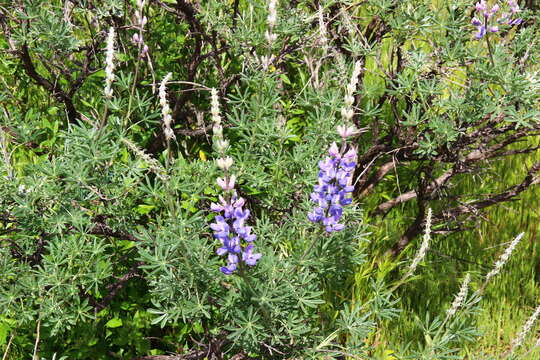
[105, 245]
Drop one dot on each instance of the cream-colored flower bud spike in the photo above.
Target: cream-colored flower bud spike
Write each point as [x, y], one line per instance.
[165, 109]
[109, 67]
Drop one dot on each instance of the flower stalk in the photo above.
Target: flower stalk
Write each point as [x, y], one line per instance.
[230, 225]
[166, 114]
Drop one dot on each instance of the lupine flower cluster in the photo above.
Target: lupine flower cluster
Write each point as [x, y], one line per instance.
[517, 342]
[322, 27]
[332, 191]
[501, 261]
[336, 171]
[484, 17]
[165, 108]
[109, 67]
[421, 254]
[271, 20]
[138, 38]
[220, 143]
[460, 297]
[230, 225]
[230, 228]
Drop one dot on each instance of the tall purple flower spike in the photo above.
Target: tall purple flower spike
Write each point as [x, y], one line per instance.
[331, 193]
[230, 228]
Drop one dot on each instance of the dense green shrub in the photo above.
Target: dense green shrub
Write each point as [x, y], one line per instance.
[110, 139]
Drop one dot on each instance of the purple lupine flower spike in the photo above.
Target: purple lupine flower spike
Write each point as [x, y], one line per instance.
[332, 191]
[230, 228]
[230, 223]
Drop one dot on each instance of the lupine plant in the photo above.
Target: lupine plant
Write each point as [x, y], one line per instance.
[251, 179]
[230, 226]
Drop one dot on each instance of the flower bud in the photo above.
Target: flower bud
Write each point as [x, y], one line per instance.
[345, 131]
[169, 133]
[218, 131]
[222, 145]
[333, 150]
[349, 100]
[227, 184]
[481, 6]
[347, 113]
[225, 163]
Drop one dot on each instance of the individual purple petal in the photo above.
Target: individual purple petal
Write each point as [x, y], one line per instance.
[222, 183]
[316, 215]
[336, 211]
[326, 165]
[350, 155]
[493, 29]
[226, 183]
[481, 6]
[239, 202]
[220, 225]
[249, 257]
[516, 21]
[228, 270]
[242, 231]
[232, 181]
[481, 32]
[232, 261]
[334, 151]
[250, 238]
[144, 50]
[241, 214]
[476, 22]
[234, 245]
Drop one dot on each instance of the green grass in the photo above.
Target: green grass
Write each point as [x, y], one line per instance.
[511, 297]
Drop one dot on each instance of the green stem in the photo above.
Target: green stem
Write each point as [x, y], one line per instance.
[251, 289]
[105, 115]
[490, 50]
[132, 91]
[308, 250]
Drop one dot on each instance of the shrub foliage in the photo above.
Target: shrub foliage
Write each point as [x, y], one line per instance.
[106, 249]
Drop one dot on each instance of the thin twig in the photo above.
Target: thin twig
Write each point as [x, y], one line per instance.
[38, 327]
[8, 346]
